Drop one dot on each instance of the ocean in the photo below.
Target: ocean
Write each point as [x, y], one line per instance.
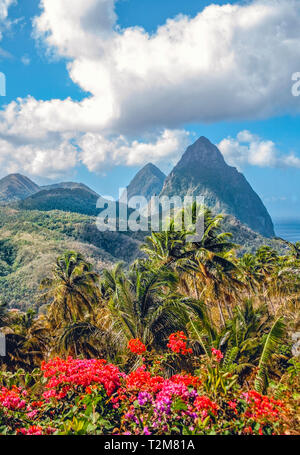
[288, 230]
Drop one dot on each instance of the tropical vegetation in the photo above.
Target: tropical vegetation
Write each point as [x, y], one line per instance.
[192, 338]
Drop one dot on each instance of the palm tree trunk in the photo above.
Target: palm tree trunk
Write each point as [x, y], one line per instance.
[229, 310]
[221, 314]
[195, 286]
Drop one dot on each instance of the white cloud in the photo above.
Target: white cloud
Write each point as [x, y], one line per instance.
[250, 149]
[4, 6]
[25, 60]
[51, 158]
[228, 62]
[98, 153]
[75, 28]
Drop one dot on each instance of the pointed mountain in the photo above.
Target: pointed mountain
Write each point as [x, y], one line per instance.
[202, 171]
[15, 187]
[148, 182]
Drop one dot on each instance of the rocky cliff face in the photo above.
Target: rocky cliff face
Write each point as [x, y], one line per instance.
[148, 182]
[202, 171]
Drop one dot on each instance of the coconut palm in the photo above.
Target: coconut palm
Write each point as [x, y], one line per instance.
[27, 341]
[248, 272]
[86, 339]
[274, 338]
[73, 289]
[166, 247]
[146, 305]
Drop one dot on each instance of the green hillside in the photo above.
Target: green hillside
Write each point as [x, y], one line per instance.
[30, 241]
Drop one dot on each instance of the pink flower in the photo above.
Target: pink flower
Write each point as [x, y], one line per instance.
[218, 354]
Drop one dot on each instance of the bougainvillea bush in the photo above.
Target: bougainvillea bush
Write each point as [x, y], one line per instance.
[80, 396]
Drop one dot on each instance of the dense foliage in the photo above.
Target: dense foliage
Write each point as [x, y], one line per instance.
[191, 339]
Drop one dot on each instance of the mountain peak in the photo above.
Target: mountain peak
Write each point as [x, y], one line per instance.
[150, 167]
[147, 182]
[202, 171]
[14, 187]
[204, 153]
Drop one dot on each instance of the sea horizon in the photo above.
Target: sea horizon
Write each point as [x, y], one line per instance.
[288, 229]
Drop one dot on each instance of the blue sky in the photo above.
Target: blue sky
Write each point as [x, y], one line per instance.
[54, 68]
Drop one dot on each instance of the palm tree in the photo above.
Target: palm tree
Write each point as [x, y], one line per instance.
[212, 264]
[111, 279]
[274, 338]
[72, 291]
[86, 339]
[267, 263]
[166, 247]
[248, 272]
[146, 305]
[245, 331]
[207, 261]
[27, 341]
[294, 248]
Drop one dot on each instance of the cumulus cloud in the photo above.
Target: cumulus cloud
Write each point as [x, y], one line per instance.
[228, 62]
[250, 149]
[51, 158]
[98, 153]
[206, 68]
[75, 28]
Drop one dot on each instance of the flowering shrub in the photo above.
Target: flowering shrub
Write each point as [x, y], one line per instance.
[66, 374]
[94, 397]
[177, 343]
[136, 346]
[13, 398]
[36, 430]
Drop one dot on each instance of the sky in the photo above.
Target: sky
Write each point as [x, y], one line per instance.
[95, 89]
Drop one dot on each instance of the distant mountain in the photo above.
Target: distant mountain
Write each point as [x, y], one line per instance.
[202, 171]
[14, 187]
[68, 186]
[76, 200]
[148, 182]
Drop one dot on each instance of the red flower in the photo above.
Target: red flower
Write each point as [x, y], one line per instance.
[72, 373]
[218, 354]
[136, 346]
[204, 405]
[177, 343]
[233, 406]
[261, 407]
[36, 430]
[12, 398]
